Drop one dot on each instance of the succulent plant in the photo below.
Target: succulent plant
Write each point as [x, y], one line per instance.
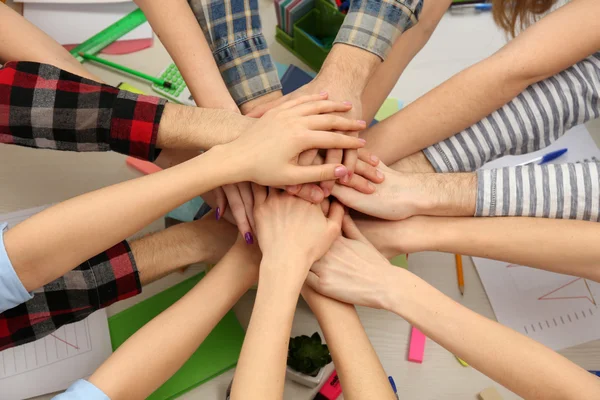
[308, 354]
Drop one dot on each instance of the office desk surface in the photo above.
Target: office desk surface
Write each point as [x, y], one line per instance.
[31, 178]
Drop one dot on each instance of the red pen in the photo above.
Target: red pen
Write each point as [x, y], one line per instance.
[331, 389]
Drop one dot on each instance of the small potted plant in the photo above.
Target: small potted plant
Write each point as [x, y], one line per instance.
[306, 358]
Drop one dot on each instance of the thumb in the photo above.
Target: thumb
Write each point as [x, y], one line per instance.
[351, 231]
[317, 173]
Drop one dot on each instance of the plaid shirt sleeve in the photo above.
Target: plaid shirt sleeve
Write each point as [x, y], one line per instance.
[374, 25]
[45, 107]
[97, 283]
[234, 32]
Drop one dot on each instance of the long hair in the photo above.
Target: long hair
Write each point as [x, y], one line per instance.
[514, 15]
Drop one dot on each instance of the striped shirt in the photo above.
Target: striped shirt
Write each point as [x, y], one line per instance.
[530, 122]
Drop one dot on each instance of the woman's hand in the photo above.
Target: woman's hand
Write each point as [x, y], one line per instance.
[268, 153]
[289, 228]
[352, 271]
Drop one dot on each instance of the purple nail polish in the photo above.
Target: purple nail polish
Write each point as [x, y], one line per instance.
[218, 213]
[248, 237]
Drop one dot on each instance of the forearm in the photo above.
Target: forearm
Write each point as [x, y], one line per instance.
[22, 41]
[533, 120]
[361, 373]
[522, 365]
[191, 128]
[95, 221]
[403, 51]
[260, 371]
[119, 376]
[188, 47]
[511, 240]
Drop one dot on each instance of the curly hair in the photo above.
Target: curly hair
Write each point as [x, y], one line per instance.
[513, 15]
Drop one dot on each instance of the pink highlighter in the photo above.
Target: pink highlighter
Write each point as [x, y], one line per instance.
[331, 389]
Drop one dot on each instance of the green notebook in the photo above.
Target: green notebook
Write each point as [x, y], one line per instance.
[218, 353]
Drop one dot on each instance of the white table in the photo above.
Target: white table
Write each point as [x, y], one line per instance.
[31, 178]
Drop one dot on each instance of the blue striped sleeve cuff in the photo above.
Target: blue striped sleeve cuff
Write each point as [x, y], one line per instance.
[374, 25]
[82, 390]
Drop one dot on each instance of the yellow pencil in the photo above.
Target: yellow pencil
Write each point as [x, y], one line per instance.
[459, 274]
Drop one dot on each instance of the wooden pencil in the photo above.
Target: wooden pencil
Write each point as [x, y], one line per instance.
[459, 274]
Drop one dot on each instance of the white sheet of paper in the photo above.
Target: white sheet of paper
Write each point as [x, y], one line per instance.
[75, 23]
[54, 362]
[557, 310]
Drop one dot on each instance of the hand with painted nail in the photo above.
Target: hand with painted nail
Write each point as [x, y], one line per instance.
[268, 153]
[289, 228]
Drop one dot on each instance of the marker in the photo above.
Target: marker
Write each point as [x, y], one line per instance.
[331, 389]
[597, 373]
[546, 158]
[393, 386]
[471, 8]
[158, 81]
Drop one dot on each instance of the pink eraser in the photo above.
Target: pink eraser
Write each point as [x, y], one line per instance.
[145, 167]
[416, 349]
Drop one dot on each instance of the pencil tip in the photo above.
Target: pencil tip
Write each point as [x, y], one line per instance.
[462, 290]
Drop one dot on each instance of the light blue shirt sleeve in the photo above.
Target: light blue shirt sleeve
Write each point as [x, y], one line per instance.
[82, 390]
[12, 291]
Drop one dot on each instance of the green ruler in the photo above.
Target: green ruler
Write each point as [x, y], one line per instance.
[102, 39]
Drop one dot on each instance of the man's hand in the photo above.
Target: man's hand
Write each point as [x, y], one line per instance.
[403, 195]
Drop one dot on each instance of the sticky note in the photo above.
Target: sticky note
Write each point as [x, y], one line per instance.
[490, 394]
[461, 361]
[400, 261]
[145, 167]
[416, 348]
[388, 108]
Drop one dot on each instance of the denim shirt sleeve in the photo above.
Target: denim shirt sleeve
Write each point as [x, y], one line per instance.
[374, 25]
[12, 291]
[82, 390]
[234, 33]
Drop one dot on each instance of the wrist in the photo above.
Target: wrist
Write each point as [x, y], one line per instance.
[283, 273]
[449, 194]
[225, 162]
[349, 65]
[400, 293]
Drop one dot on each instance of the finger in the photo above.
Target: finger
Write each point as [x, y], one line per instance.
[347, 196]
[333, 156]
[259, 193]
[221, 203]
[322, 107]
[368, 157]
[328, 140]
[369, 172]
[335, 123]
[309, 192]
[350, 157]
[336, 213]
[312, 279]
[248, 199]
[259, 111]
[359, 183]
[308, 157]
[316, 173]
[301, 100]
[351, 231]
[239, 212]
[325, 206]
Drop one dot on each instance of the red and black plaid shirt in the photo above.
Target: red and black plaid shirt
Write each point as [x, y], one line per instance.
[44, 107]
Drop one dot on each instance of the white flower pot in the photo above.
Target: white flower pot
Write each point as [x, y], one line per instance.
[303, 379]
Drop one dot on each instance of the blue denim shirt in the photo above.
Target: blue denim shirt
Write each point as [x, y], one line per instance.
[12, 292]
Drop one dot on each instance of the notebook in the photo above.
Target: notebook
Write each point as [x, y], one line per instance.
[218, 353]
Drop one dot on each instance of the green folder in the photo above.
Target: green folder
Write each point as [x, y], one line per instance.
[400, 261]
[218, 353]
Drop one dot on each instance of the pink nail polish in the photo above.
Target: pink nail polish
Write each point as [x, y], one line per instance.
[379, 174]
[363, 141]
[362, 122]
[374, 158]
[347, 103]
[340, 171]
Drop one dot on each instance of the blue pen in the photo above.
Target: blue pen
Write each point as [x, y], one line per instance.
[546, 158]
[393, 386]
[597, 373]
[471, 8]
